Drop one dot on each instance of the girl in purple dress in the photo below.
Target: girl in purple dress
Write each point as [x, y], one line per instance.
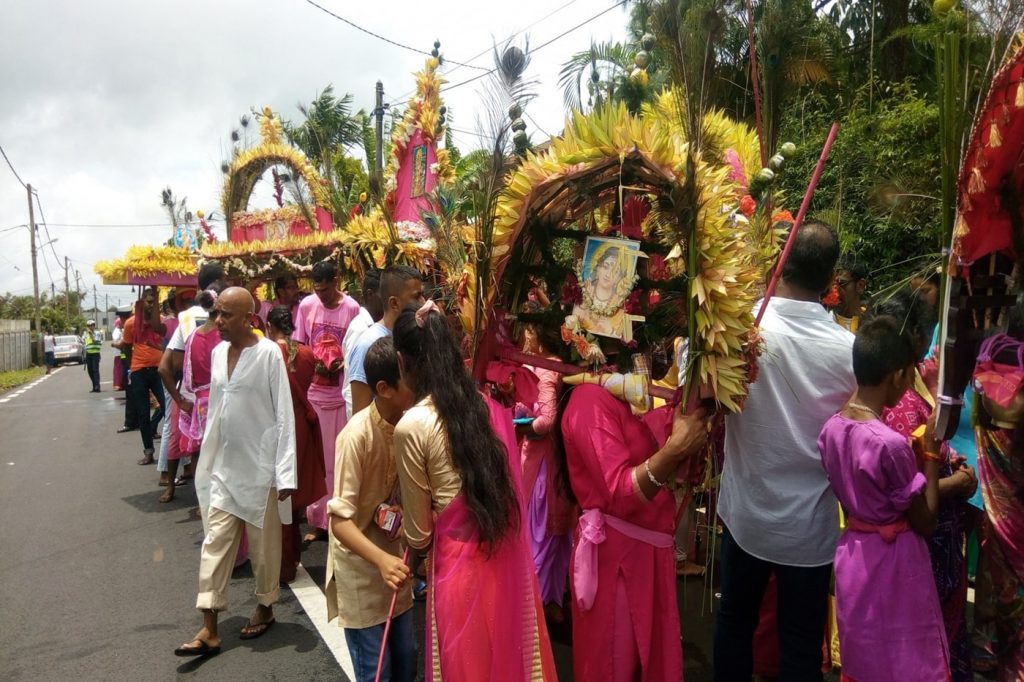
[887, 605]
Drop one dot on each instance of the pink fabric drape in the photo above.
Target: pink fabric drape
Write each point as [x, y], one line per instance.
[195, 386]
[483, 612]
[603, 442]
[332, 421]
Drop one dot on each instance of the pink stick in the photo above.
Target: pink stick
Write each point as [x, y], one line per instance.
[799, 220]
[387, 624]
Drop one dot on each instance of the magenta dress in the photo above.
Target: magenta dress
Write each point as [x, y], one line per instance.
[626, 625]
[890, 622]
[549, 514]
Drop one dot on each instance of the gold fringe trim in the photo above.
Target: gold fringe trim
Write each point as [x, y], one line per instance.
[1019, 101]
[994, 138]
[977, 182]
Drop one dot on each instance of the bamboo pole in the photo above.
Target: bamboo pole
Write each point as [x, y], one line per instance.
[804, 205]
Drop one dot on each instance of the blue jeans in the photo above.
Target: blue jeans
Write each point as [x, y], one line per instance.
[802, 609]
[399, 658]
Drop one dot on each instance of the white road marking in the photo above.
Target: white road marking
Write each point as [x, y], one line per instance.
[312, 600]
[27, 386]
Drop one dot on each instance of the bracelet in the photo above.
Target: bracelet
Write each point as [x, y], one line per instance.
[650, 476]
[932, 457]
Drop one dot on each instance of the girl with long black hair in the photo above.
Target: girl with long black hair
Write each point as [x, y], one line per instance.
[484, 617]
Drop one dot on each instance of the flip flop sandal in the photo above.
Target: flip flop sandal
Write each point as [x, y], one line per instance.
[203, 649]
[256, 629]
[146, 461]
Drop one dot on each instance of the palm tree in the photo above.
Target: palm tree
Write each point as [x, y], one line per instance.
[329, 125]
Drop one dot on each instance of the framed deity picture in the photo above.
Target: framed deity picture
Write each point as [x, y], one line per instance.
[607, 275]
[419, 170]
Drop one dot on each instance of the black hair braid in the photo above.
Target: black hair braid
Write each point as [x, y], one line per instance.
[280, 316]
[207, 297]
[476, 451]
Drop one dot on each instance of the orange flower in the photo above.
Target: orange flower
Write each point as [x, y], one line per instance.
[747, 205]
[567, 335]
[781, 216]
[582, 346]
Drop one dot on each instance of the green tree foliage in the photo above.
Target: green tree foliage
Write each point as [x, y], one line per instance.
[327, 132]
[881, 185]
[55, 314]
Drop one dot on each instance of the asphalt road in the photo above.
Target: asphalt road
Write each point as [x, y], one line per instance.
[98, 579]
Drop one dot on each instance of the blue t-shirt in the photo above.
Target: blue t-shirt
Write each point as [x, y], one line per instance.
[355, 369]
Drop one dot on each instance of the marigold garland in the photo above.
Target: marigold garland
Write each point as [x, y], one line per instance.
[146, 261]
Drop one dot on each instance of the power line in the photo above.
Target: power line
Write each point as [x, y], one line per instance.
[541, 46]
[11, 166]
[520, 31]
[536, 124]
[380, 37]
[486, 50]
[46, 263]
[42, 217]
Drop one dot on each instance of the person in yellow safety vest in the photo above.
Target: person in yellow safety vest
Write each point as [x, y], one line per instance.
[92, 354]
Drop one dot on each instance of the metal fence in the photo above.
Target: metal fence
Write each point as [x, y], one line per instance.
[15, 345]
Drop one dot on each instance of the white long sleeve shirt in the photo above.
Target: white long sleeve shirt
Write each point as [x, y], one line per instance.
[776, 500]
[249, 442]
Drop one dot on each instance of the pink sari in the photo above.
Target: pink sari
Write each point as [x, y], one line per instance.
[195, 387]
[485, 620]
[484, 617]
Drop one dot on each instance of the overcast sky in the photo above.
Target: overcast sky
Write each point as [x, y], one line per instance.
[104, 103]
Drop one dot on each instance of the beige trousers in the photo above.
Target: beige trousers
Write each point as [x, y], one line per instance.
[220, 547]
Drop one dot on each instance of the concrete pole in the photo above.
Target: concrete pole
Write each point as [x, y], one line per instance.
[35, 273]
[67, 289]
[378, 111]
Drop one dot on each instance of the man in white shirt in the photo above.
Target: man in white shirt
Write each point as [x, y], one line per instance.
[371, 311]
[49, 348]
[247, 467]
[779, 512]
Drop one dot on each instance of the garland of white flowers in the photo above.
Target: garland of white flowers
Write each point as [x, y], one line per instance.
[236, 264]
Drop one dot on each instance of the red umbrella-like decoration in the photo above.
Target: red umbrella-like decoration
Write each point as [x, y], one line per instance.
[992, 177]
[989, 226]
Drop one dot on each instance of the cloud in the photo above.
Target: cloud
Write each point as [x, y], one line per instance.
[104, 104]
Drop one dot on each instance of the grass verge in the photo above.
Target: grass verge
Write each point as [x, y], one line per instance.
[14, 378]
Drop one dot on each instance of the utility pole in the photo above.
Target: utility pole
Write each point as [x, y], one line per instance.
[95, 300]
[67, 290]
[378, 161]
[35, 272]
[78, 291]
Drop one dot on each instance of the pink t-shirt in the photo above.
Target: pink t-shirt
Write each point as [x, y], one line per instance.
[323, 330]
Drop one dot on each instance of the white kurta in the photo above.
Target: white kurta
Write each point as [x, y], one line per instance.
[249, 442]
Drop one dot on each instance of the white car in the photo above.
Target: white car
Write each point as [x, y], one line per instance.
[68, 349]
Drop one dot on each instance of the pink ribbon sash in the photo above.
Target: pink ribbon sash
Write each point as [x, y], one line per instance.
[584, 569]
[888, 531]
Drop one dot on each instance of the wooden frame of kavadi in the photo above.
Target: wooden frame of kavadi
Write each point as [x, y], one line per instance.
[608, 193]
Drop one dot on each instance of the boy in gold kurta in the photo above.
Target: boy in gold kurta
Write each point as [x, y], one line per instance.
[365, 559]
